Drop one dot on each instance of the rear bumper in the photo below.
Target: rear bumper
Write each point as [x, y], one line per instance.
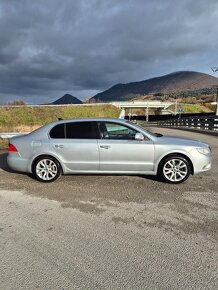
[17, 163]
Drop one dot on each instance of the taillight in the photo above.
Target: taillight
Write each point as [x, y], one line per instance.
[12, 148]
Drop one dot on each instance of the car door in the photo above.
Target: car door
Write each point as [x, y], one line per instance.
[76, 145]
[119, 151]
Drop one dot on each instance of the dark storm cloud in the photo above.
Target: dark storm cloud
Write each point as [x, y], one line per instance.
[51, 47]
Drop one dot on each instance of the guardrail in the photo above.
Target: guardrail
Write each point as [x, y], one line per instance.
[10, 135]
[197, 123]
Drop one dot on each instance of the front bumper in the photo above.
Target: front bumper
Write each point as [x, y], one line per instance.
[201, 162]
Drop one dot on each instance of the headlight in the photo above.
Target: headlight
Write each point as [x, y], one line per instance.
[204, 150]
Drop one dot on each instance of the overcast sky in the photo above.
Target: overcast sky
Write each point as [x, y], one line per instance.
[52, 47]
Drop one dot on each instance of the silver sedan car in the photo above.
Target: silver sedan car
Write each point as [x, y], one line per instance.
[105, 146]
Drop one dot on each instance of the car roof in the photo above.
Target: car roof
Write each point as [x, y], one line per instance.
[95, 119]
[60, 121]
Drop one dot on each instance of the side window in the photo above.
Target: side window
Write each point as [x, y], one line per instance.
[81, 130]
[116, 131]
[57, 132]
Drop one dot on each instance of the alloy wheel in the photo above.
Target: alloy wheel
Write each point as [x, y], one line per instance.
[175, 170]
[47, 170]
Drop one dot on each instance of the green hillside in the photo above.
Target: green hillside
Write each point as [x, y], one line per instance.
[28, 118]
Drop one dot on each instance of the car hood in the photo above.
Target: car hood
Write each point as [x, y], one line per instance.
[174, 140]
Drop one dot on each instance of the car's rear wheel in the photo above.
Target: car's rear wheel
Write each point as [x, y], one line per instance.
[46, 169]
[174, 169]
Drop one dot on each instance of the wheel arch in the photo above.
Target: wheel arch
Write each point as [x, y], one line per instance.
[175, 154]
[44, 156]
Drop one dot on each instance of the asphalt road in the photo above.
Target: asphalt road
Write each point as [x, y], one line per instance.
[109, 232]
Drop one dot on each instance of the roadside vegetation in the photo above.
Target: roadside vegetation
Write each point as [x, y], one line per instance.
[26, 119]
[3, 144]
[192, 108]
[186, 109]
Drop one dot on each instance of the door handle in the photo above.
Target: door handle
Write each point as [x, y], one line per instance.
[59, 146]
[104, 146]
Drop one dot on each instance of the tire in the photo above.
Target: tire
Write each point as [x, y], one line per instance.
[46, 169]
[174, 169]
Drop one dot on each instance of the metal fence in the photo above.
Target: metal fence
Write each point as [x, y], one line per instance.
[199, 123]
[10, 135]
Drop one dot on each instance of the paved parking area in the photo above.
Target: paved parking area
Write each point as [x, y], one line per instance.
[110, 232]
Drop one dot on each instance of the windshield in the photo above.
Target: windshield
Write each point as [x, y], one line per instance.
[143, 128]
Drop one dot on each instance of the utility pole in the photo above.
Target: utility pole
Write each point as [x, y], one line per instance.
[176, 105]
[147, 115]
[217, 101]
[215, 69]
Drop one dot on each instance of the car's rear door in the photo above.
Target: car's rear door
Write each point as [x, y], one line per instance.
[77, 146]
[119, 151]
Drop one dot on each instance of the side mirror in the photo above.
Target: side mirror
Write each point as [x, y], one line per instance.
[139, 137]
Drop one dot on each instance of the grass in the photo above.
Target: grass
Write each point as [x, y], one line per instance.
[3, 144]
[25, 119]
[192, 108]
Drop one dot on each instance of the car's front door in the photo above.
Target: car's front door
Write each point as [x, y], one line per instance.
[119, 151]
[77, 145]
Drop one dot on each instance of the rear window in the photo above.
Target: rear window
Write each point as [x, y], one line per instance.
[81, 130]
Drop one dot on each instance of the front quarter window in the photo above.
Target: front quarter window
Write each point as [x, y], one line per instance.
[116, 131]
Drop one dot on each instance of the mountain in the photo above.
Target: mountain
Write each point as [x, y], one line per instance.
[172, 83]
[67, 99]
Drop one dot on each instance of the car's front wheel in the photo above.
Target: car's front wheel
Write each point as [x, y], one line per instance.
[174, 169]
[46, 169]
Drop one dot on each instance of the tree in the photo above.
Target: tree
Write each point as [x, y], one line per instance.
[16, 103]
